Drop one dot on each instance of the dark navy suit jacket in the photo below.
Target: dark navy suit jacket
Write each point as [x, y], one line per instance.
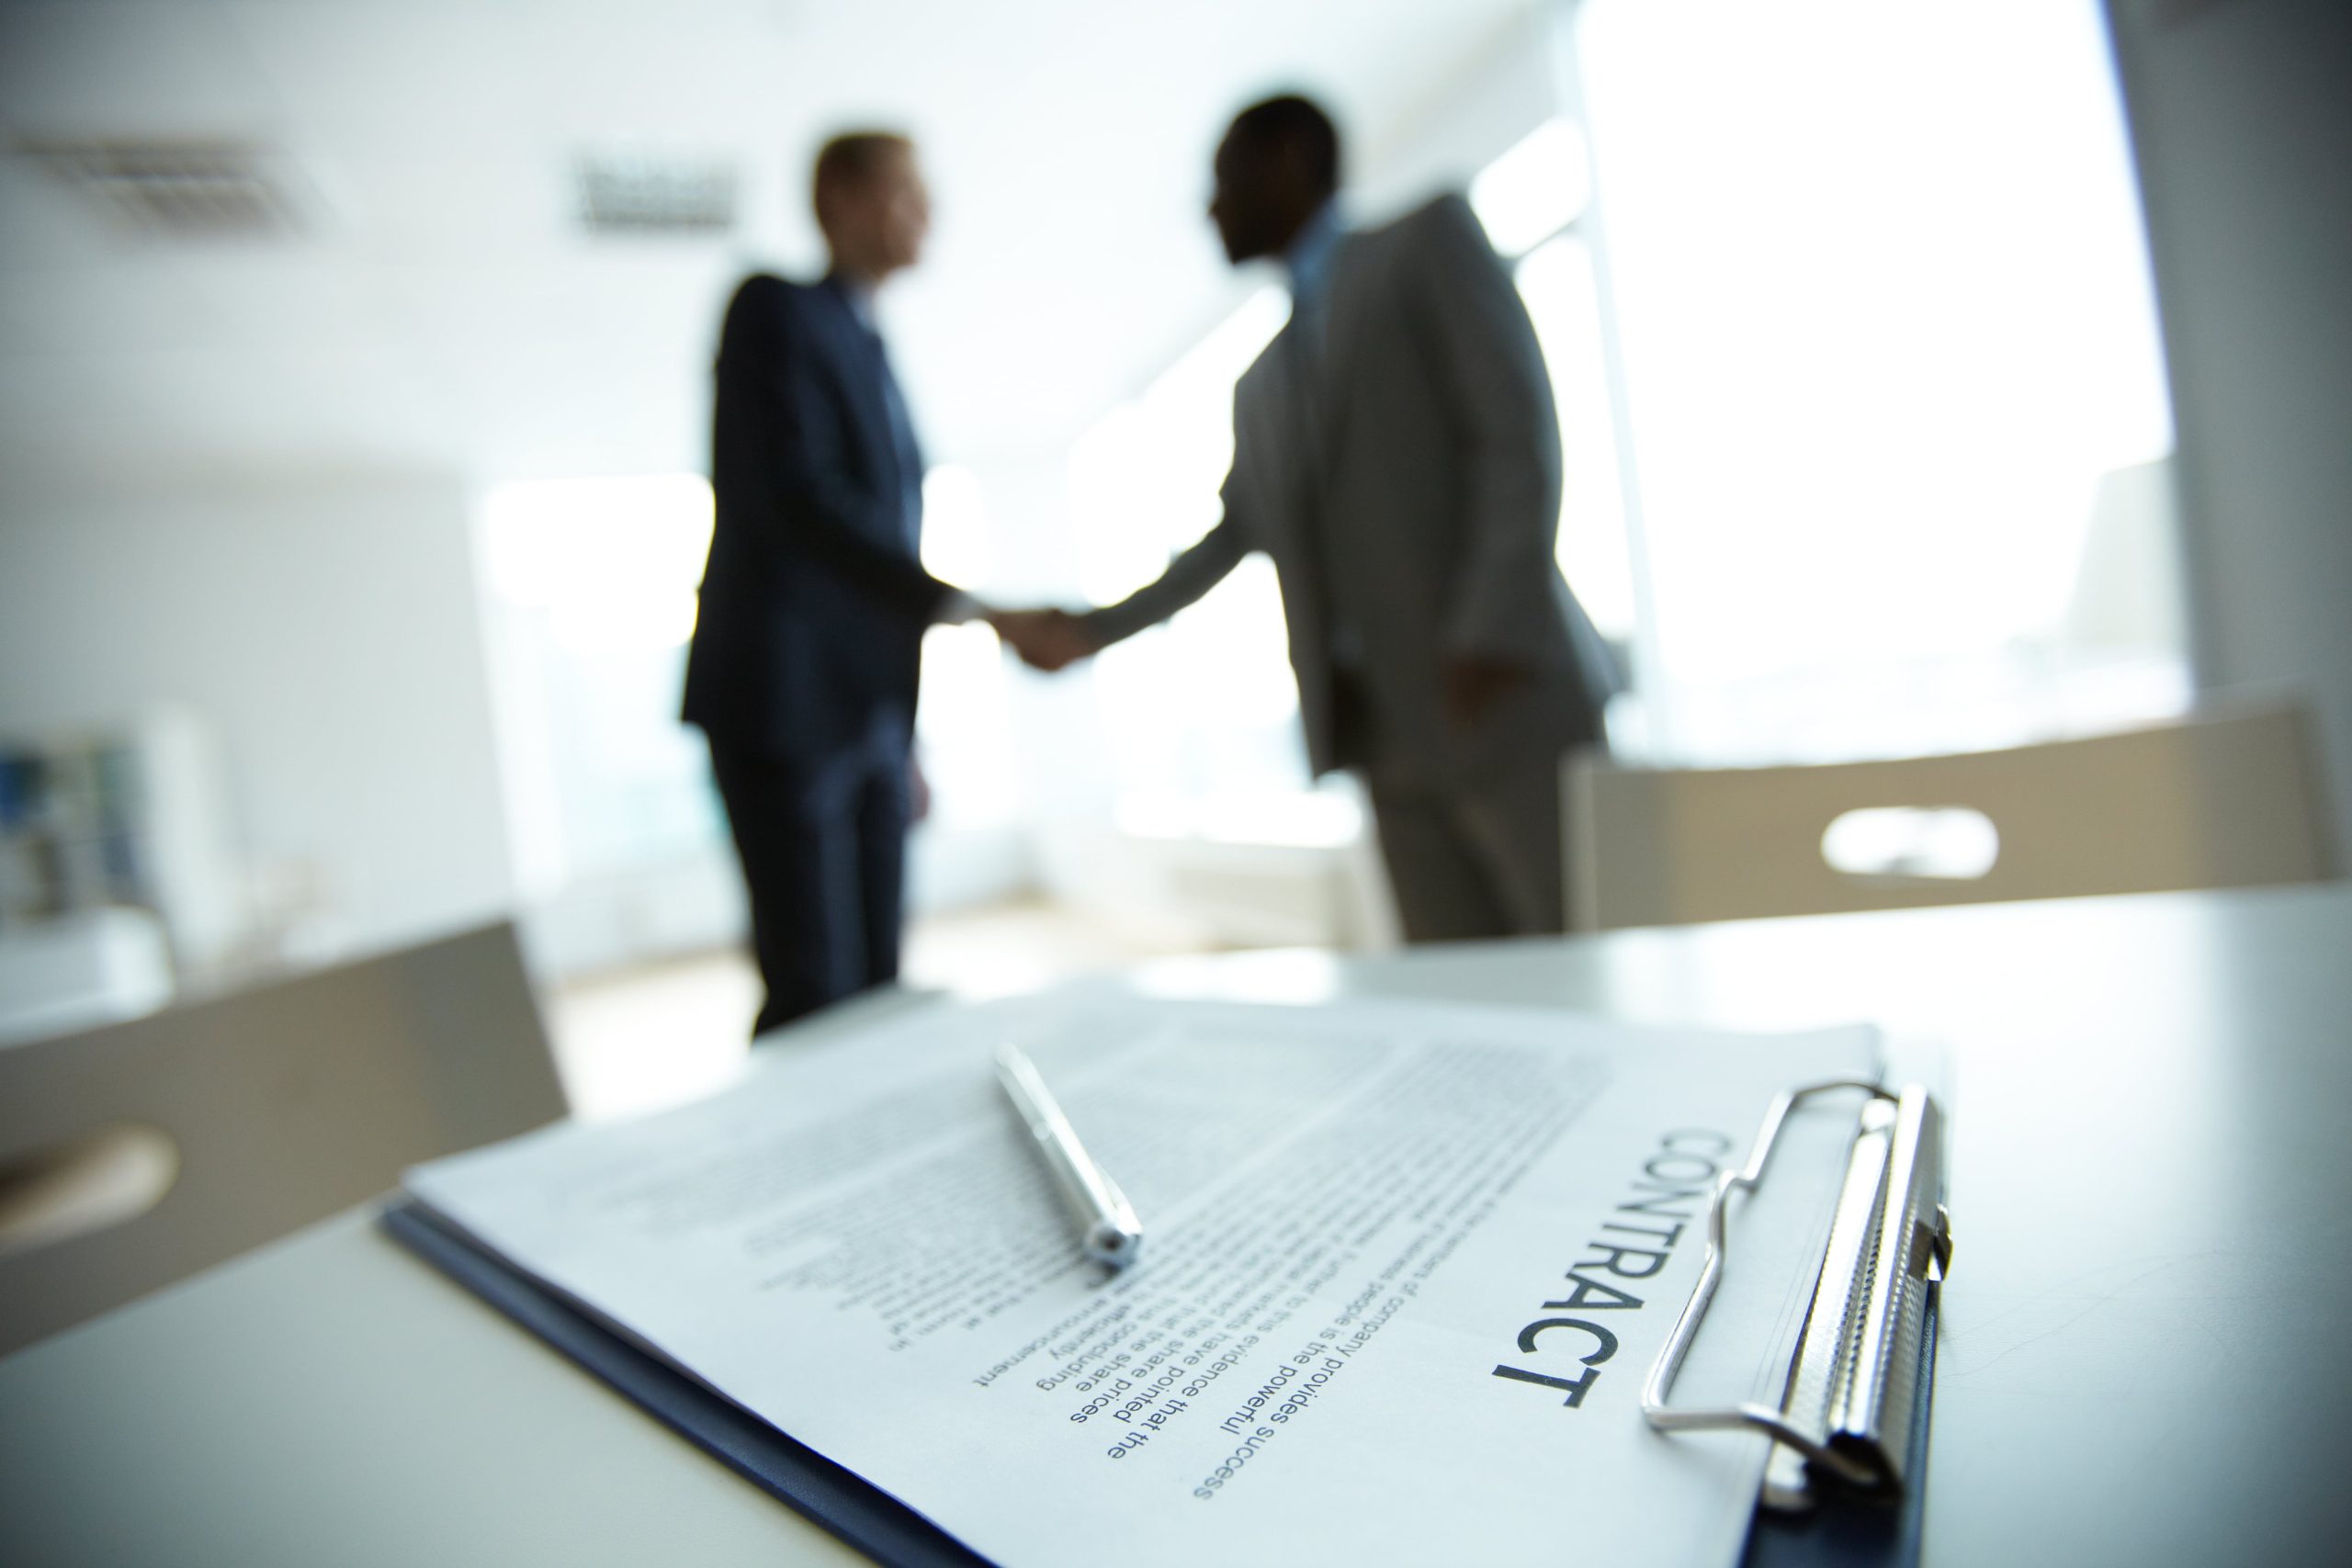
[814, 599]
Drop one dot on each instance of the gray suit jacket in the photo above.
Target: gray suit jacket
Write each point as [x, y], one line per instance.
[1398, 455]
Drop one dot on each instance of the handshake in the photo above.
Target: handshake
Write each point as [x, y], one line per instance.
[1046, 639]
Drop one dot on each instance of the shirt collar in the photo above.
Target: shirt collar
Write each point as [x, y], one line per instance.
[858, 297]
[1308, 257]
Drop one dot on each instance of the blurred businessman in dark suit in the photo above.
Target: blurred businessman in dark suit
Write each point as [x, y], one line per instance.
[814, 602]
[1396, 452]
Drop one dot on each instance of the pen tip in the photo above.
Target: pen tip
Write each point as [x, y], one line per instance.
[1109, 1244]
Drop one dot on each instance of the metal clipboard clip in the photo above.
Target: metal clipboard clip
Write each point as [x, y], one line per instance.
[1853, 1388]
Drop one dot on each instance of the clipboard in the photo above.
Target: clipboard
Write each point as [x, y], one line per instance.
[1847, 1476]
[1863, 1506]
[830, 1495]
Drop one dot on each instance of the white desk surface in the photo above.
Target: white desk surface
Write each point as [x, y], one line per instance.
[2143, 1358]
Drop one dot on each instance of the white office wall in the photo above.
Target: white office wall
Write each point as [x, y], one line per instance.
[325, 628]
[1465, 124]
[2241, 119]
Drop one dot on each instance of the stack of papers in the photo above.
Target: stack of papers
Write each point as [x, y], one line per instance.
[1405, 1268]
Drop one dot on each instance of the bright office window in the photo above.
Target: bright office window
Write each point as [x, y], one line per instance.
[1535, 189]
[1555, 279]
[1896, 399]
[964, 726]
[1527, 201]
[592, 601]
[1203, 709]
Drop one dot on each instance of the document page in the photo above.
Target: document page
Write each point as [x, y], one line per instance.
[1405, 1268]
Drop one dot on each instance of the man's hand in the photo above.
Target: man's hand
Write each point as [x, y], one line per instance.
[1046, 639]
[1475, 683]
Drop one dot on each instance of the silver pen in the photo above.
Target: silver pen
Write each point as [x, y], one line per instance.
[1113, 1234]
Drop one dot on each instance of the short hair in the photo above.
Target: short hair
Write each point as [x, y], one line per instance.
[1291, 120]
[852, 159]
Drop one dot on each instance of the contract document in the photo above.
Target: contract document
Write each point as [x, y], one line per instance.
[1405, 1267]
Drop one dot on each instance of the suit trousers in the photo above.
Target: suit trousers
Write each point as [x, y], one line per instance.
[824, 861]
[1476, 860]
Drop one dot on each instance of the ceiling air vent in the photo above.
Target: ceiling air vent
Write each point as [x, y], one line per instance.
[642, 194]
[193, 188]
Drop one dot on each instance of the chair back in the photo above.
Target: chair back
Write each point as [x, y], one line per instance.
[2226, 799]
[216, 1125]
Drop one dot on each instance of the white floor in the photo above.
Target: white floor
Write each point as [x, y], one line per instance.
[640, 1038]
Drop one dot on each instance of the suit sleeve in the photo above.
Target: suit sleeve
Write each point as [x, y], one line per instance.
[766, 350]
[1491, 370]
[1201, 567]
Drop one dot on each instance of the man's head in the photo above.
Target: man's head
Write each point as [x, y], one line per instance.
[1276, 166]
[870, 203]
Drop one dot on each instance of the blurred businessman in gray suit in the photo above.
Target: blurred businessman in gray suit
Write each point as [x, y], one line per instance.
[1396, 453]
